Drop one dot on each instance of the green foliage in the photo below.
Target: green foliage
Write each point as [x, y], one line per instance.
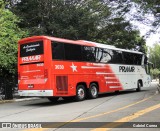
[72, 19]
[9, 35]
[78, 19]
[154, 55]
[155, 73]
[151, 6]
[121, 34]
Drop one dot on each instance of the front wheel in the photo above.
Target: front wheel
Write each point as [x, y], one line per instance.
[80, 93]
[93, 91]
[139, 85]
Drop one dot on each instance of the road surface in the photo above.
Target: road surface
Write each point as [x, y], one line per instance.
[128, 108]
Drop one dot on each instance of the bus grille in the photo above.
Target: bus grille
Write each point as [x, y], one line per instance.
[62, 84]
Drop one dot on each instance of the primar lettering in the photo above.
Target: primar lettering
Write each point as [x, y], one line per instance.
[31, 58]
[126, 69]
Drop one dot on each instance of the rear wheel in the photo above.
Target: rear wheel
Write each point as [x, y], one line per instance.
[80, 93]
[93, 91]
[53, 99]
[139, 85]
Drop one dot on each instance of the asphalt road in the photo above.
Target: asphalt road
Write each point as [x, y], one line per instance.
[127, 108]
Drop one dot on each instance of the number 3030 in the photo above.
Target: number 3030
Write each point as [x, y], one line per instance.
[59, 67]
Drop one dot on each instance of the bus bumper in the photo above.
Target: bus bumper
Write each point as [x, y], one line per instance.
[35, 92]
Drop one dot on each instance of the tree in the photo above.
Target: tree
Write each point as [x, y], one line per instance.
[151, 6]
[154, 55]
[72, 19]
[155, 73]
[9, 35]
[121, 34]
[77, 19]
[144, 12]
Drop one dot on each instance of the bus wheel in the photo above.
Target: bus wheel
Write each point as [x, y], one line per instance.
[93, 91]
[80, 93]
[53, 99]
[139, 85]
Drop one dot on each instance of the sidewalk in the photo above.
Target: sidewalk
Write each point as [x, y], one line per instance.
[19, 99]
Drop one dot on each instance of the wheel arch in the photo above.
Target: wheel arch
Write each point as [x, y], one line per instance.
[140, 80]
[82, 83]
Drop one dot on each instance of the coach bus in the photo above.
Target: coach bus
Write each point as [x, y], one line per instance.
[54, 67]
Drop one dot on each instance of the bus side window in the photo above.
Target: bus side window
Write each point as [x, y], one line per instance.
[102, 55]
[145, 60]
[57, 50]
[73, 52]
[88, 53]
[147, 68]
[117, 57]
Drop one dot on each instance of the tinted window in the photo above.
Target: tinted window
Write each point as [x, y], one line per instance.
[72, 52]
[132, 58]
[145, 60]
[88, 53]
[33, 48]
[128, 58]
[137, 60]
[102, 55]
[116, 57]
[57, 51]
[64, 51]
[109, 56]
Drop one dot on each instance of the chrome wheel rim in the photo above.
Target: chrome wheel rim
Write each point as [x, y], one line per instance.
[81, 93]
[94, 91]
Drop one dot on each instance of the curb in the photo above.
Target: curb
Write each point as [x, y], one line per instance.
[19, 100]
[6, 101]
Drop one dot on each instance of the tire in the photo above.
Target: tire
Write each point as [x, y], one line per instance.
[93, 91]
[80, 93]
[139, 85]
[53, 99]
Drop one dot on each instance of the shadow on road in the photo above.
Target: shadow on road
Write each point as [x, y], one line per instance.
[46, 102]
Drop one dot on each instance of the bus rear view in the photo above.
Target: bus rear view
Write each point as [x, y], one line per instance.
[32, 76]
